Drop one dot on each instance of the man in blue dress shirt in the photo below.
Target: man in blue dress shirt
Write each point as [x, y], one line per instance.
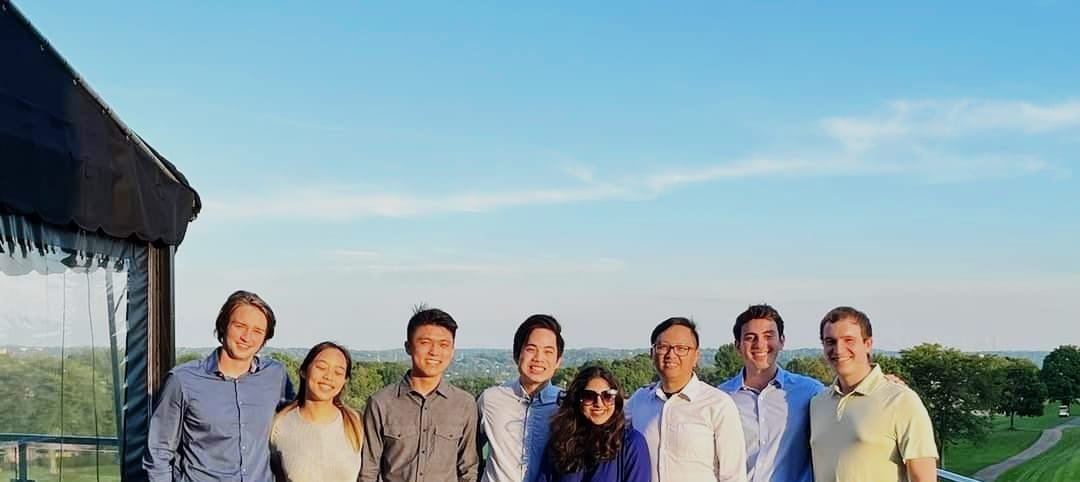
[773, 403]
[211, 421]
[515, 417]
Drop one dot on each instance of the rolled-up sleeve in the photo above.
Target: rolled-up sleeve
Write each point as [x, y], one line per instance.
[164, 434]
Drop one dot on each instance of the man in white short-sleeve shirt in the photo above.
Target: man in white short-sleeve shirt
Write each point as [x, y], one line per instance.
[692, 429]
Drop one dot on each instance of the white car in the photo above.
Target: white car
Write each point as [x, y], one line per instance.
[1063, 411]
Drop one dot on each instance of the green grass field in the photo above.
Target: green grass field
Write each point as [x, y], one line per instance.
[74, 474]
[1059, 464]
[74, 471]
[967, 458]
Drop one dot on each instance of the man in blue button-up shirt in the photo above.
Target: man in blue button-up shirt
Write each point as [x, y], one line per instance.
[515, 417]
[774, 404]
[211, 421]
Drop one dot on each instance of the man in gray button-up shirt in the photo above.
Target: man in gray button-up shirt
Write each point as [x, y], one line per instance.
[423, 428]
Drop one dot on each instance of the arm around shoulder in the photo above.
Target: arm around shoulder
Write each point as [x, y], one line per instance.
[288, 392]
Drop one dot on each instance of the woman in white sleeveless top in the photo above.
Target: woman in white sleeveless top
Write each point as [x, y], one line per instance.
[316, 438]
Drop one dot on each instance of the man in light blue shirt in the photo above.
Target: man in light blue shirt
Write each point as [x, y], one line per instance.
[773, 403]
[515, 417]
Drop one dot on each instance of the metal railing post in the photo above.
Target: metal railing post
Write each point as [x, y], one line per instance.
[21, 475]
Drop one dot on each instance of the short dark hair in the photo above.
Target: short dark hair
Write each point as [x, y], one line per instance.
[430, 316]
[236, 300]
[675, 321]
[757, 312]
[534, 322]
[841, 313]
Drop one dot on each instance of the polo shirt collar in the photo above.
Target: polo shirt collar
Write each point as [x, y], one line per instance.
[871, 382]
[867, 385]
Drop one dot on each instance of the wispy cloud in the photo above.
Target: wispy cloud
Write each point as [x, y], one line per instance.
[342, 203]
[372, 263]
[914, 120]
[665, 181]
[906, 137]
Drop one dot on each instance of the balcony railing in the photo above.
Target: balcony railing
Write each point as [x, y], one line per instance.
[945, 475]
[25, 441]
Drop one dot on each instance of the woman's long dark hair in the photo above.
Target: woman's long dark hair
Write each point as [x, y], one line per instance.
[353, 425]
[576, 443]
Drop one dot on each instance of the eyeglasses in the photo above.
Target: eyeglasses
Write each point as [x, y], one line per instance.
[680, 350]
[591, 397]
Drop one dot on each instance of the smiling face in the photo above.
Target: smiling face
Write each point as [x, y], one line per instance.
[431, 349]
[760, 344]
[539, 357]
[847, 352]
[326, 375]
[596, 409]
[245, 334]
[669, 364]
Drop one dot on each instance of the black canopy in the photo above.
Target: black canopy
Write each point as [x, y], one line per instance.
[67, 159]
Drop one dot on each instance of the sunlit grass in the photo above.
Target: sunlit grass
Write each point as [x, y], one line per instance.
[967, 458]
[1059, 464]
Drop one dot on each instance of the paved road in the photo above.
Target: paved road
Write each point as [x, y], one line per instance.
[1049, 437]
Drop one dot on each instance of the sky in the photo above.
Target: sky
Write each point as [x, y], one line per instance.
[610, 163]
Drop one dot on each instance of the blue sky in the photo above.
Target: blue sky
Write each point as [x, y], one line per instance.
[611, 163]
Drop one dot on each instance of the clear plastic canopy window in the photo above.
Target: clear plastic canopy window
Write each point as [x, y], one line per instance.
[65, 313]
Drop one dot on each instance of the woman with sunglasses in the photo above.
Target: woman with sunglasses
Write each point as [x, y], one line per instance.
[590, 439]
[316, 438]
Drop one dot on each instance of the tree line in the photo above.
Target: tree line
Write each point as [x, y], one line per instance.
[960, 390]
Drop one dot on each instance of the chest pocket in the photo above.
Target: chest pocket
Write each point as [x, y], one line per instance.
[445, 444]
[696, 443]
[399, 437]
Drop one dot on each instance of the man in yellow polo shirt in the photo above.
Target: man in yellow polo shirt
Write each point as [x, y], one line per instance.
[863, 428]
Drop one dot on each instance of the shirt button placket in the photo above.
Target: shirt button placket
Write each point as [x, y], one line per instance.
[240, 431]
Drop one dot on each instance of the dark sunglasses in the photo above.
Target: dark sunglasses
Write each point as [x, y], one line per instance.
[590, 397]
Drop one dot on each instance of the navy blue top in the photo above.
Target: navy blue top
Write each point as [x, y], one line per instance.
[632, 465]
[208, 427]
